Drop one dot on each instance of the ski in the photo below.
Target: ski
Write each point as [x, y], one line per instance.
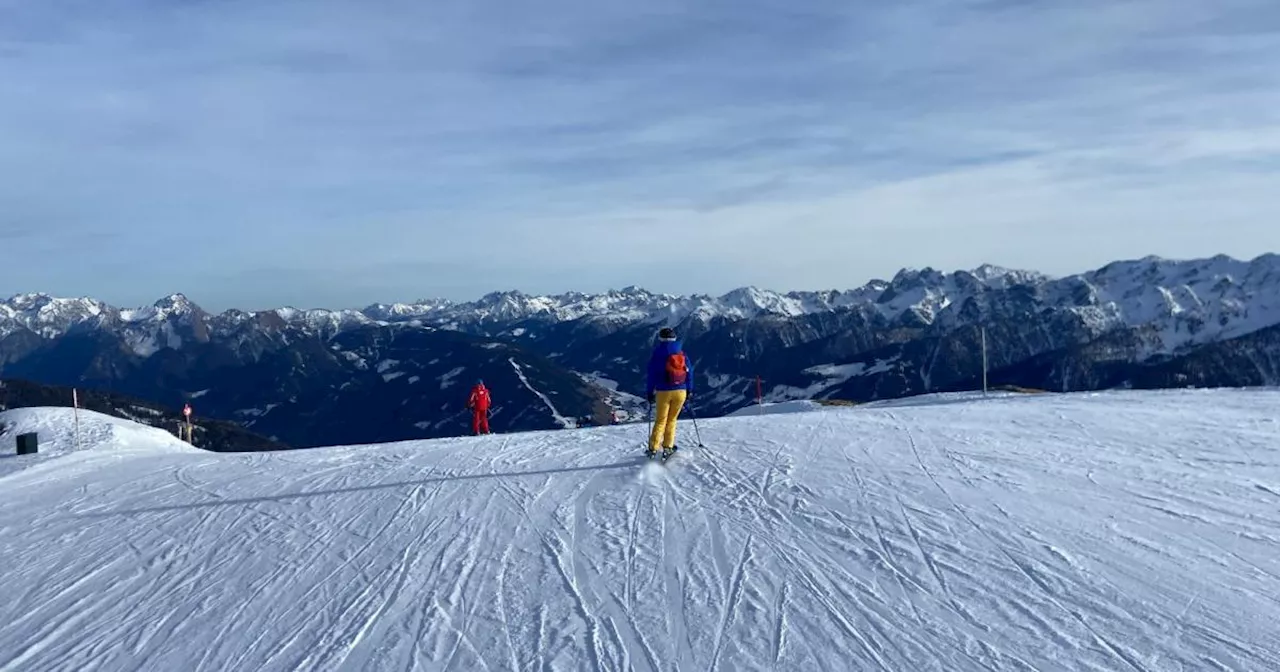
[660, 457]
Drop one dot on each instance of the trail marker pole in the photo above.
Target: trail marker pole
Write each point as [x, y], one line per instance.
[75, 403]
[984, 361]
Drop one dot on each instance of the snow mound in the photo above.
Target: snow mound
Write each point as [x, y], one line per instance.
[802, 406]
[1110, 531]
[942, 398]
[99, 434]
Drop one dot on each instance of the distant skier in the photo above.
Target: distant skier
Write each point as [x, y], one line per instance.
[670, 382]
[479, 405]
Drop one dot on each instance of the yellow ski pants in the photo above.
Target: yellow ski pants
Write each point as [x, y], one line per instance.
[666, 410]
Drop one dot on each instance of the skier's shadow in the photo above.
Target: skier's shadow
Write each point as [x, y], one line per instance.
[367, 488]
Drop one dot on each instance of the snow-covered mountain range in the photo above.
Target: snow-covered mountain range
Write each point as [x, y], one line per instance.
[919, 331]
[1187, 302]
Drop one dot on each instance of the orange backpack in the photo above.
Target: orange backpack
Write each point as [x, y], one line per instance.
[677, 369]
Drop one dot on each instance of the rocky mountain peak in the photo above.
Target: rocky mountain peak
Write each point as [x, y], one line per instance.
[50, 316]
[749, 301]
[176, 305]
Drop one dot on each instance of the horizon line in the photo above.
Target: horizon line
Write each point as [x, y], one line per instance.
[1149, 258]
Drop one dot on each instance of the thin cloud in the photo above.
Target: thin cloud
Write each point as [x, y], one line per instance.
[583, 145]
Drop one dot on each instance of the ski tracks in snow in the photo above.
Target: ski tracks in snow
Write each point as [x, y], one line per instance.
[1022, 567]
[949, 537]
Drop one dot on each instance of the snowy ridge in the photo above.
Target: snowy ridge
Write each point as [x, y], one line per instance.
[927, 293]
[172, 306]
[1185, 304]
[1182, 303]
[632, 304]
[1117, 531]
[325, 321]
[778, 408]
[48, 316]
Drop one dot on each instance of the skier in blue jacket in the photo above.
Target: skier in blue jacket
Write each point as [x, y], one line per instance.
[670, 382]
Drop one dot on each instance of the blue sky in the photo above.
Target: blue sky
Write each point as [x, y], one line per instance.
[254, 153]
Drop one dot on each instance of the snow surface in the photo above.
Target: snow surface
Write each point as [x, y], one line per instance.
[95, 437]
[1109, 531]
[799, 406]
[836, 374]
[448, 379]
[847, 371]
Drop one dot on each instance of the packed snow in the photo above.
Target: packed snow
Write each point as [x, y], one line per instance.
[798, 406]
[69, 439]
[1109, 531]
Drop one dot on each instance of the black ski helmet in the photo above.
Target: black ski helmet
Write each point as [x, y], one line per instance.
[667, 334]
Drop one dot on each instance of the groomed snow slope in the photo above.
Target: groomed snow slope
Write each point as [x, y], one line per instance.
[801, 406]
[1118, 531]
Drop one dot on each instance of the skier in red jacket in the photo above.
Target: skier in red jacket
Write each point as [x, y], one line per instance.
[479, 405]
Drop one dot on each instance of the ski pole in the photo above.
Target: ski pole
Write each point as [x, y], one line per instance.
[649, 414]
[694, 416]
